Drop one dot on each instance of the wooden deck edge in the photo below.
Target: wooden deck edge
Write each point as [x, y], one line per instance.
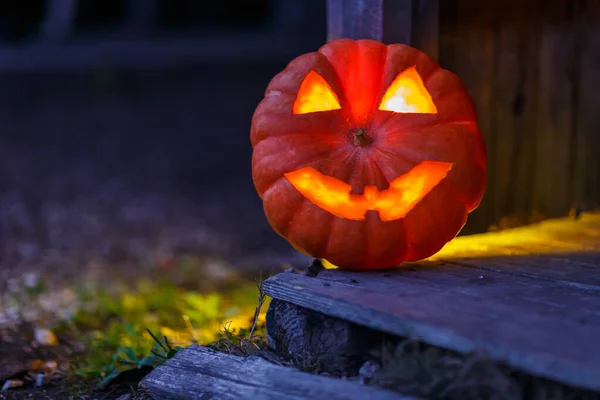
[347, 334]
[199, 373]
[287, 287]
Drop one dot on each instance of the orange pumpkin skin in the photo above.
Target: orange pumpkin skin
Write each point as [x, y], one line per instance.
[359, 73]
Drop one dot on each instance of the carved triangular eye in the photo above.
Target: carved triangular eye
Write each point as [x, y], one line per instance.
[407, 94]
[315, 95]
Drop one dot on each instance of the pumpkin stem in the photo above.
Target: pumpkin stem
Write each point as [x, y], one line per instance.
[360, 138]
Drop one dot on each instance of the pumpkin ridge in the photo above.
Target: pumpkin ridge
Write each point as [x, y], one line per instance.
[382, 79]
[350, 161]
[415, 129]
[333, 134]
[271, 187]
[378, 170]
[283, 229]
[358, 49]
[461, 195]
[444, 95]
[334, 219]
[458, 193]
[399, 154]
[323, 250]
[407, 246]
[290, 225]
[381, 64]
[430, 74]
[408, 152]
[342, 97]
[301, 163]
[367, 252]
[376, 161]
[392, 156]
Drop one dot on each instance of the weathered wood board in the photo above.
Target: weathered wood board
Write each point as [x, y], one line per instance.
[531, 306]
[199, 373]
[532, 69]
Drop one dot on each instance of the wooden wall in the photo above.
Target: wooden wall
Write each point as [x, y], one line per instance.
[533, 69]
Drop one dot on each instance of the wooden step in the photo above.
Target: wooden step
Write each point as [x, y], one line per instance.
[199, 373]
[529, 298]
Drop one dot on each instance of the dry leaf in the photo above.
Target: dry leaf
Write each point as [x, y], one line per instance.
[45, 337]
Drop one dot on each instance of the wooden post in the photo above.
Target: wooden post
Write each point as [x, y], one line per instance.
[425, 27]
[398, 21]
[413, 22]
[355, 19]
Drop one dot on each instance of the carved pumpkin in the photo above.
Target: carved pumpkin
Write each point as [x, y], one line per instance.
[367, 155]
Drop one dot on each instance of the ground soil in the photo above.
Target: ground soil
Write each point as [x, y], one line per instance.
[106, 167]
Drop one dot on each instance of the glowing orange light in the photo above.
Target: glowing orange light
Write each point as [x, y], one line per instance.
[334, 196]
[407, 94]
[315, 95]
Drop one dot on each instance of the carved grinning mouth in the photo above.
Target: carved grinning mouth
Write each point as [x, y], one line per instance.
[404, 192]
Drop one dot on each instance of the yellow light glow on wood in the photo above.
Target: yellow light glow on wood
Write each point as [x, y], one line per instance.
[407, 94]
[315, 95]
[404, 193]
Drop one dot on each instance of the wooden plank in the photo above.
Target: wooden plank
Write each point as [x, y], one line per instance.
[551, 191]
[586, 173]
[426, 27]
[474, 63]
[572, 270]
[538, 336]
[489, 286]
[199, 373]
[513, 112]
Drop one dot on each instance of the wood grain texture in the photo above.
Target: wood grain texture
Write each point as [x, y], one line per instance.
[317, 341]
[426, 27]
[539, 313]
[199, 373]
[586, 172]
[551, 190]
[355, 19]
[578, 270]
[503, 317]
[513, 112]
[532, 70]
[398, 21]
[474, 63]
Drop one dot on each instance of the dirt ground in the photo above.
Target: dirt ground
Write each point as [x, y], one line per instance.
[110, 176]
[107, 167]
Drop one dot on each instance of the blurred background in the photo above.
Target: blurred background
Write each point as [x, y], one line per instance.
[125, 130]
[126, 196]
[124, 124]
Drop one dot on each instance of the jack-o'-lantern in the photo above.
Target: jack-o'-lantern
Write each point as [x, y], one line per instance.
[367, 155]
